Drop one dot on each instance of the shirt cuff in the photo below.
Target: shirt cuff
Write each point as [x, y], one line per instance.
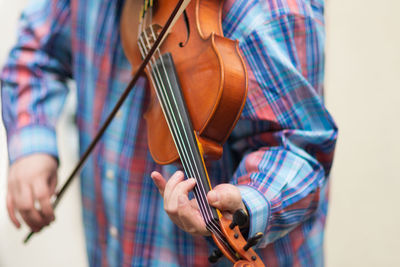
[32, 139]
[258, 207]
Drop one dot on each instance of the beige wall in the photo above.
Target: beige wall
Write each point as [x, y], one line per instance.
[363, 94]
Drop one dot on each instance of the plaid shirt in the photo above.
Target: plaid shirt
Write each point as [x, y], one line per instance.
[279, 155]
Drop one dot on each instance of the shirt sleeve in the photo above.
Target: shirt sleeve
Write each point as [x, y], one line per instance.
[285, 132]
[34, 78]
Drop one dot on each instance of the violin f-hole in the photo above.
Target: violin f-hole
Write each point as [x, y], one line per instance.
[186, 19]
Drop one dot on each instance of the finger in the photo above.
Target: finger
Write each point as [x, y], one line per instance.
[11, 211]
[159, 181]
[53, 184]
[13, 188]
[25, 206]
[175, 179]
[190, 218]
[184, 187]
[33, 219]
[24, 199]
[41, 192]
[225, 197]
[180, 190]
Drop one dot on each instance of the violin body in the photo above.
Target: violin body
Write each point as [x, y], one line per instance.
[211, 71]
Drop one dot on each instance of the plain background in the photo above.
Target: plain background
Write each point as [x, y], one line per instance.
[363, 95]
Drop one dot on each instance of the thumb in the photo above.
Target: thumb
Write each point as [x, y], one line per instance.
[225, 197]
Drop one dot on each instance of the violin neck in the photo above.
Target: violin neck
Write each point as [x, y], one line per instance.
[169, 92]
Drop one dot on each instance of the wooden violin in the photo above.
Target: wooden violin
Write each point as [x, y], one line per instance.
[198, 83]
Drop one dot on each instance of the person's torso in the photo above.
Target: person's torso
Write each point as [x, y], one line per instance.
[125, 223]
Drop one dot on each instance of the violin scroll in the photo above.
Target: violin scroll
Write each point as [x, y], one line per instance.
[242, 247]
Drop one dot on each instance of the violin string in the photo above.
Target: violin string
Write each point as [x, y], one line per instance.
[160, 82]
[181, 121]
[202, 199]
[172, 129]
[174, 100]
[207, 213]
[144, 46]
[214, 228]
[191, 173]
[175, 132]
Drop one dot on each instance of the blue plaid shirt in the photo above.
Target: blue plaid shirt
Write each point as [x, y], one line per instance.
[279, 155]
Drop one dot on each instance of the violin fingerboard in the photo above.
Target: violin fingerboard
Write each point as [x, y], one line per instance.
[169, 92]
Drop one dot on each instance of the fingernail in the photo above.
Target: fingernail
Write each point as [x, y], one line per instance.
[192, 180]
[212, 197]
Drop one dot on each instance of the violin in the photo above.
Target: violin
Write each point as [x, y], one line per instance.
[198, 88]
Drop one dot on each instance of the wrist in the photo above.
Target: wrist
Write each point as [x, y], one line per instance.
[258, 209]
[32, 139]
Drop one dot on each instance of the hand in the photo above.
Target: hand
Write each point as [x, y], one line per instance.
[185, 213]
[32, 179]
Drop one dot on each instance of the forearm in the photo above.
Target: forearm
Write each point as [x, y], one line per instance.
[34, 79]
[280, 190]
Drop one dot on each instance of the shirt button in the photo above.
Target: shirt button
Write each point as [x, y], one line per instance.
[110, 174]
[113, 231]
